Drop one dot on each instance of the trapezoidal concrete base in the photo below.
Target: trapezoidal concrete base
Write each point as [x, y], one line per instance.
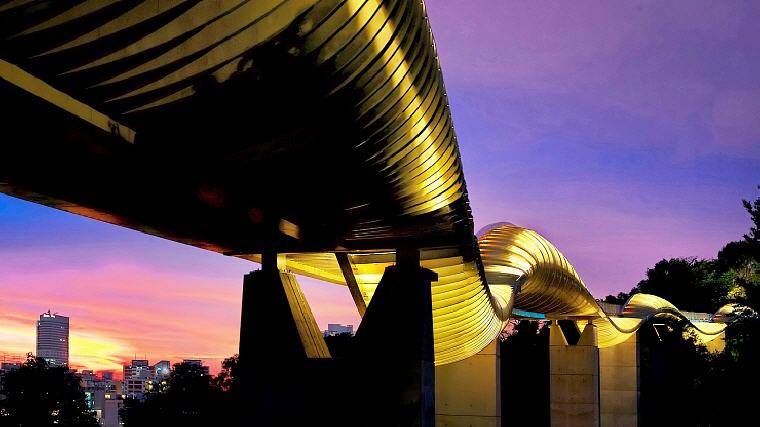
[574, 379]
[393, 355]
[468, 392]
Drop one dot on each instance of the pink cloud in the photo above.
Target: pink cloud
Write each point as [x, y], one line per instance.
[130, 310]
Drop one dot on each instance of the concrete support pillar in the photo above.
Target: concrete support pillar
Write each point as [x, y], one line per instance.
[619, 384]
[393, 354]
[574, 378]
[468, 392]
[275, 373]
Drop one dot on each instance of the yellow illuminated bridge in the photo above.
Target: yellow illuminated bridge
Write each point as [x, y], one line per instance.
[317, 129]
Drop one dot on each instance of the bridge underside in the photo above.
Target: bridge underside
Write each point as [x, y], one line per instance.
[333, 138]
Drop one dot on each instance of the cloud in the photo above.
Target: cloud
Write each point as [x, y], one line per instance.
[118, 311]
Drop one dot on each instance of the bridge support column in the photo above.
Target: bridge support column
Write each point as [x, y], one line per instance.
[574, 378]
[278, 337]
[619, 384]
[468, 392]
[393, 357]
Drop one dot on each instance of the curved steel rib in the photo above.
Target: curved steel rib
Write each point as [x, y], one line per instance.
[545, 282]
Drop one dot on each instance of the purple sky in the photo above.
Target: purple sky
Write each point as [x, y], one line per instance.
[625, 132]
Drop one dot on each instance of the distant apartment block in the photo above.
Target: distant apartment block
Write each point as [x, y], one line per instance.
[197, 362]
[140, 376]
[336, 329]
[53, 339]
[4, 368]
[137, 377]
[162, 370]
[103, 396]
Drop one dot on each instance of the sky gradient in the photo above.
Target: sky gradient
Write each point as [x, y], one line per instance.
[625, 132]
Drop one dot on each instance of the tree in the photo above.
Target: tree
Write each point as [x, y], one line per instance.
[735, 254]
[190, 397]
[228, 379]
[740, 260]
[727, 382]
[704, 285]
[688, 283]
[753, 209]
[525, 372]
[620, 298]
[40, 395]
[185, 400]
[677, 372]
[339, 345]
[672, 369]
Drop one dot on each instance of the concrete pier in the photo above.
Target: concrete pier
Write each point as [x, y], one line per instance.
[619, 384]
[393, 355]
[277, 364]
[574, 378]
[468, 392]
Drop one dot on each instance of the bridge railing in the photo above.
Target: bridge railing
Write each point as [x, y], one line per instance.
[611, 309]
[617, 310]
[697, 317]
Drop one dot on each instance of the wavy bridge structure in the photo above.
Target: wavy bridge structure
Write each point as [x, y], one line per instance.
[313, 136]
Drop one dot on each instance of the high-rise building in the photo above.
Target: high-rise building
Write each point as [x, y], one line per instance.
[53, 338]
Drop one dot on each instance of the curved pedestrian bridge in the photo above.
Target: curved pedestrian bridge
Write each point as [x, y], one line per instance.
[317, 130]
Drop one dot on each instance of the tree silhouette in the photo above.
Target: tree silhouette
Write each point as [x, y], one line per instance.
[184, 400]
[190, 397]
[228, 379]
[753, 208]
[704, 285]
[40, 395]
[525, 373]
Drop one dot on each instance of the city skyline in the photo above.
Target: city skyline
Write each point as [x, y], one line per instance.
[116, 371]
[624, 133]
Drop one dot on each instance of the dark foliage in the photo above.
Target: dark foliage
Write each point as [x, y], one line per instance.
[228, 379]
[754, 211]
[671, 366]
[689, 284]
[733, 378]
[525, 373]
[704, 285]
[339, 345]
[40, 395]
[190, 398]
[677, 372]
[620, 298]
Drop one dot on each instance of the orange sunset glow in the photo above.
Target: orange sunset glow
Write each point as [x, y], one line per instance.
[139, 297]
